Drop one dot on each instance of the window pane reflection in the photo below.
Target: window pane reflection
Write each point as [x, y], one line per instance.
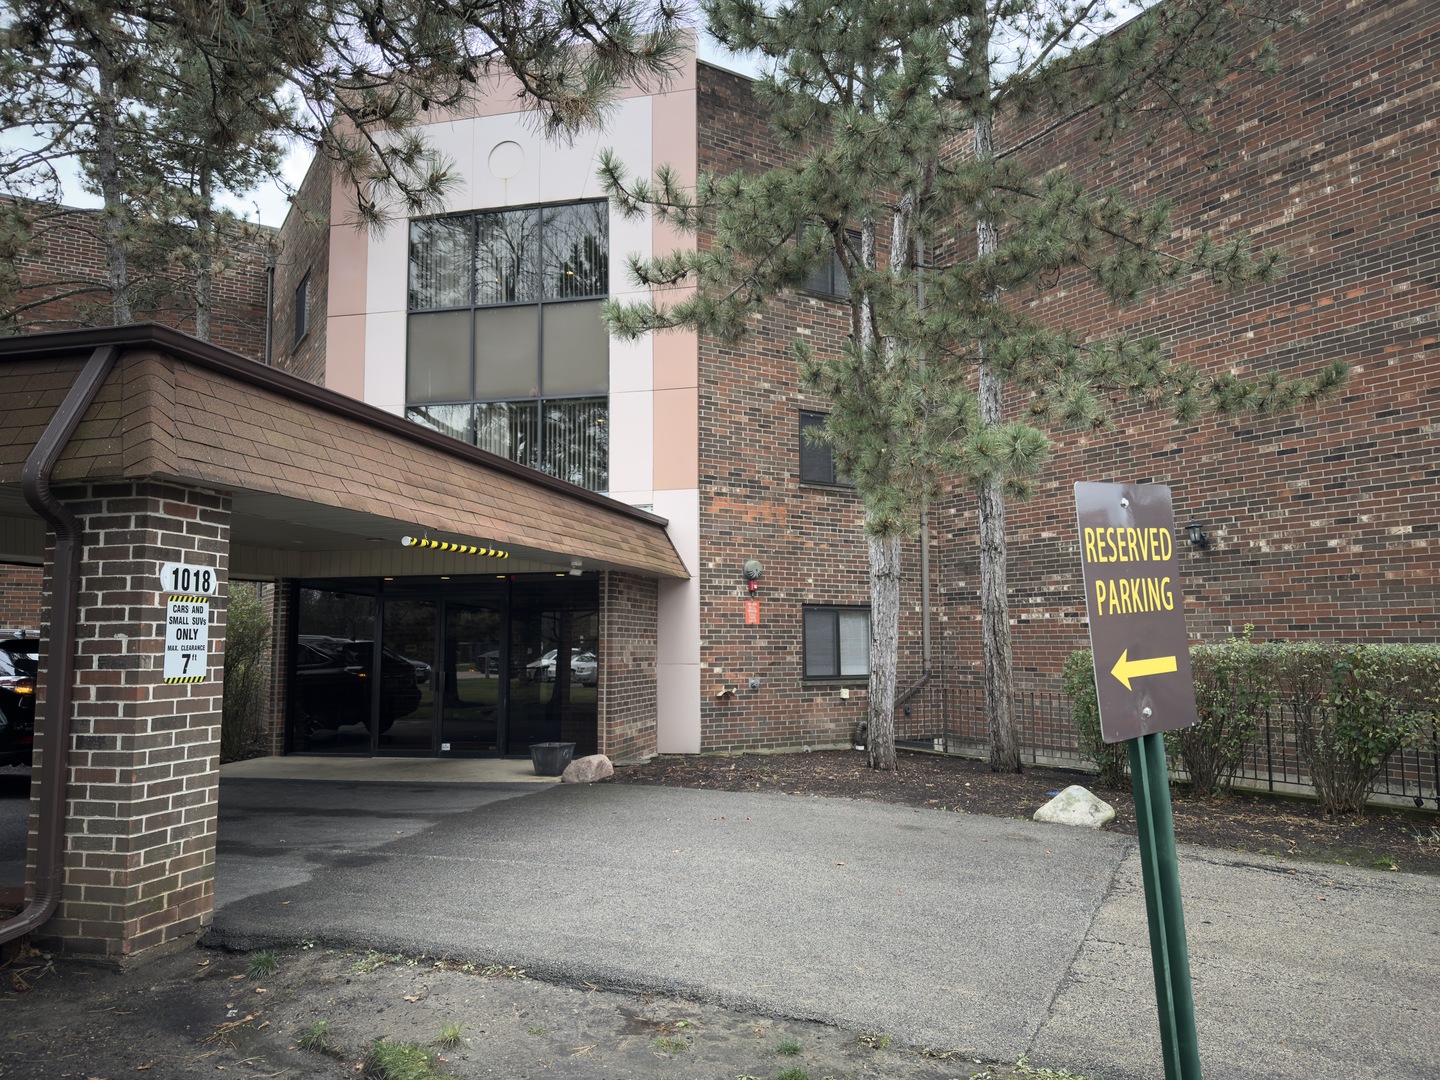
[577, 442]
[506, 257]
[452, 420]
[577, 250]
[440, 263]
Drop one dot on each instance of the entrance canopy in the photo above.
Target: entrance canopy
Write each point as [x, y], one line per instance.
[132, 451]
[320, 483]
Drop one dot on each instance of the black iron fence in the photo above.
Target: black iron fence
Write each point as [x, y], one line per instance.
[951, 717]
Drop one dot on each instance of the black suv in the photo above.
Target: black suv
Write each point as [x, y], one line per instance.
[332, 683]
[19, 668]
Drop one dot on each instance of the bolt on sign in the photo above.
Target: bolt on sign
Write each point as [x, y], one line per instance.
[1137, 621]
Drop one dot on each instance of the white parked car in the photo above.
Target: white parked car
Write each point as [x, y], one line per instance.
[584, 668]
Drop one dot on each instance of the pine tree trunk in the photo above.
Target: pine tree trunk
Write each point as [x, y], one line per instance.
[113, 215]
[884, 555]
[994, 599]
[204, 256]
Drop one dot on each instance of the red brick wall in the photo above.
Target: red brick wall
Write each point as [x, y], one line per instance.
[1322, 522]
[20, 590]
[305, 249]
[628, 651]
[753, 505]
[65, 270]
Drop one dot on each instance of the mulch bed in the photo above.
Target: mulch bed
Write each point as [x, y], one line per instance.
[1297, 828]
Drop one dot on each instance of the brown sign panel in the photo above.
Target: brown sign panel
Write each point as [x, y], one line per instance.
[1133, 596]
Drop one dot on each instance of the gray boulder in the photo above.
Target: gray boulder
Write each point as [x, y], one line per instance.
[1076, 806]
[587, 770]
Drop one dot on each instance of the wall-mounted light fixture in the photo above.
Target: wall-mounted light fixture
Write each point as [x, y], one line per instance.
[1198, 540]
[753, 570]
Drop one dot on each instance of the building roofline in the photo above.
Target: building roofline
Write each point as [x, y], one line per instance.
[233, 365]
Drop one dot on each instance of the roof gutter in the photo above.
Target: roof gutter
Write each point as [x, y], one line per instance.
[60, 664]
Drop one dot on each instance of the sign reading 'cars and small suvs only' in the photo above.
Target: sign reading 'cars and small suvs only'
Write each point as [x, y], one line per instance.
[1137, 620]
[187, 620]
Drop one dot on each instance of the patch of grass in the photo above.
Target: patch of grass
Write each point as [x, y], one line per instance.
[874, 1040]
[794, 1073]
[450, 1035]
[316, 1039]
[536, 1029]
[1023, 1071]
[399, 1061]
[503, 971]
[261, 964]
[788, 1045]
[669, 1045]
[374, 961]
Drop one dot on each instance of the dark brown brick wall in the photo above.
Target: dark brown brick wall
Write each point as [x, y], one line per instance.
[20, 592]
[140, 820]
[628, 652]
[66, 269]
[1322, 522]
[305, 249]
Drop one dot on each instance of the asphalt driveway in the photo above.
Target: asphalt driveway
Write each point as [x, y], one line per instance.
[942, 930]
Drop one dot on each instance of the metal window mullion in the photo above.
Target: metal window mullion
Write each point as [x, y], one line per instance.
[472, 425]
[540, 439]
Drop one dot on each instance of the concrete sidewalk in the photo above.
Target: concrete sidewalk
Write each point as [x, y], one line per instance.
[942, 930]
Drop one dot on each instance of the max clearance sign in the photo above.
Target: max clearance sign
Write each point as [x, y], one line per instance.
[1137, 621]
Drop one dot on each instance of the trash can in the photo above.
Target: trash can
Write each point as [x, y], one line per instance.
[550, 758]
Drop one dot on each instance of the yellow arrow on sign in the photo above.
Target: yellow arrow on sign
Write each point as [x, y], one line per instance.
[1126, 669]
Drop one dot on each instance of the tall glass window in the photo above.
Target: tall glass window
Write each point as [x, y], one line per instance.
[506, 348]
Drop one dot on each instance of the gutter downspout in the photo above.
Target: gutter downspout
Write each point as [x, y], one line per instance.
[60, 672]
[925, 656]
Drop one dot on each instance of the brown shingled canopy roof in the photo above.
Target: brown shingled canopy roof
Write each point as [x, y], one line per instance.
[312, 474]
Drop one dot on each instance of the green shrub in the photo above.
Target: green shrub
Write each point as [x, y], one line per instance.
[1233, 691]
[1353, 706]
[1111, 759]
[1375, 698]
[247, 641]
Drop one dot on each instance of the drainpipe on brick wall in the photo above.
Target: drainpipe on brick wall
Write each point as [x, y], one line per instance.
[924, 680]
[60, 670]
[267, 358]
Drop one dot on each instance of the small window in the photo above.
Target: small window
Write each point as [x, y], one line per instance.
[837, 643]
[817, 461]
[828, 279]
[302, 308]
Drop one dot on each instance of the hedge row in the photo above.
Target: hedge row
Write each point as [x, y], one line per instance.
[1353, 706]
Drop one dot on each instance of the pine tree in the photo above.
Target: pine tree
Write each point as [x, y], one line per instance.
[885, 115]
[215, 87]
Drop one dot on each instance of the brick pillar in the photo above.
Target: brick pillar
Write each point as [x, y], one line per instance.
[141, 815]
[628, 650]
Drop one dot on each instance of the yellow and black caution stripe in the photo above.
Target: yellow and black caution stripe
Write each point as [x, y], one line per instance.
[186, 678]
[462, 549]
[189, 599]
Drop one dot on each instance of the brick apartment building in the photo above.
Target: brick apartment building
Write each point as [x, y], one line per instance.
[482, 324]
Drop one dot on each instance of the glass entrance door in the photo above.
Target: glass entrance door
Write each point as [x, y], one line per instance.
[407, 666]
[472, 694]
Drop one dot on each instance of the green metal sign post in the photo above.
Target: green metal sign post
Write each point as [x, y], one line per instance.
[1160, 867]
[1144, 689]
